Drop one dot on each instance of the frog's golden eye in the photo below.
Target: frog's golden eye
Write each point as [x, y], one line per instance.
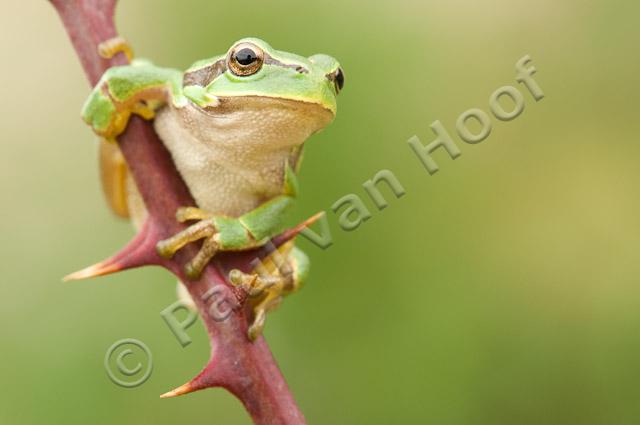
[245, 59]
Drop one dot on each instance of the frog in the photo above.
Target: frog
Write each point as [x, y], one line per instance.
[235, 125]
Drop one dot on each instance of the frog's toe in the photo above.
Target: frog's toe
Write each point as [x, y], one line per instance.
[168, 247]
[260, 315]
[209, 248]
[254, 284]
[191, 213]
[256, 328]
[109, 48]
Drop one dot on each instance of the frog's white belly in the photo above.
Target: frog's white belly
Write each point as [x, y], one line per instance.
[232, 158]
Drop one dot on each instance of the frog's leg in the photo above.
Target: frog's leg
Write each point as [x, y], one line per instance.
[270, 282]
[113, 175]
[223, 233]
[140, 88]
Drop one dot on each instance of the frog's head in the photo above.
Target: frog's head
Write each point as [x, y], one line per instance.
[293, 89]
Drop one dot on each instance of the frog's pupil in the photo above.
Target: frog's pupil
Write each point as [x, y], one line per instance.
[340, 78]
[246, 56]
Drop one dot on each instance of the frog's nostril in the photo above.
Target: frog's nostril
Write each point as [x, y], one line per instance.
[302, 70]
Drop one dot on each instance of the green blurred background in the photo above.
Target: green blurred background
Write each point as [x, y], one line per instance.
[502, 290]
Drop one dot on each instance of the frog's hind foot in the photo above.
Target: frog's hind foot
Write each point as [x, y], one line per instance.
[266, 292]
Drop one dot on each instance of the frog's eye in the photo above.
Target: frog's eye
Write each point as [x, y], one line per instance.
[245, 59]
[339, 79]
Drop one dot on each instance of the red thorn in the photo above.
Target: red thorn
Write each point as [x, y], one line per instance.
[100, 269]
[205, 379]
[289, 234]
[140, 251]
[181, 390]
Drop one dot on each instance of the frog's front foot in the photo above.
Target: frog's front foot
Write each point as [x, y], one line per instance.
[203, 229]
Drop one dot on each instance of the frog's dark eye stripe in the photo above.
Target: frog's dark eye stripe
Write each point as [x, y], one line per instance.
[204, 76]
[272, 61]
[245, 59]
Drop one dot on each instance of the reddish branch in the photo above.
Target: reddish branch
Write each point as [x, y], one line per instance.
[247, 369]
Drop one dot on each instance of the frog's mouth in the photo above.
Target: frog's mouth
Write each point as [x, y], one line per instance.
[228, 105]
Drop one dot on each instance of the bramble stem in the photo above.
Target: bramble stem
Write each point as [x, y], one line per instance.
[246, 369]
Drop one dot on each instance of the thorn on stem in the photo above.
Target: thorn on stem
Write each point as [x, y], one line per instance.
[100, 269]
[137, 253]
[205, 379]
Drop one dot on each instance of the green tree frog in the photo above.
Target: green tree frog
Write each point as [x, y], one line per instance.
[234, 125]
